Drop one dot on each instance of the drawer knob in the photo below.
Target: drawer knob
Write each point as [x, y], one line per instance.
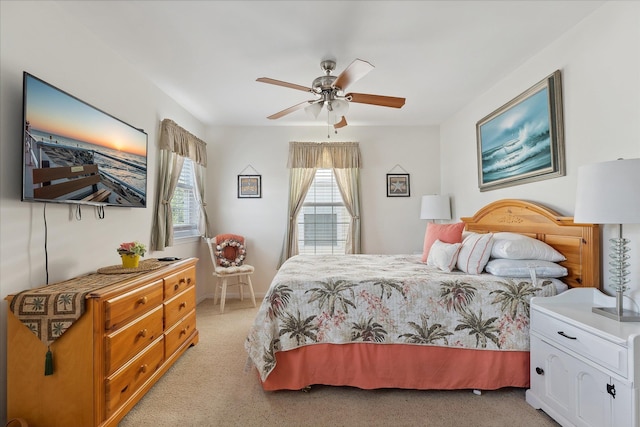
[189, 280]
[183, 305]
[143, 369]
[142, 300]
[567, 336]
[182, 280]
[176, 287]
[142, 333]
[184, 330]
[539, 371]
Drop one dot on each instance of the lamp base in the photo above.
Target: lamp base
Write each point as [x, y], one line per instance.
[612, 313]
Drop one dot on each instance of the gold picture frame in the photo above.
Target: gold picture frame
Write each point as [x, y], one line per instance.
[523, 141]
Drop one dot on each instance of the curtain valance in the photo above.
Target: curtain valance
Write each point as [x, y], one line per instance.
[324, 155]
[182, 142]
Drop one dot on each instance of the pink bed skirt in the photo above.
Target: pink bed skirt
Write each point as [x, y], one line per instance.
[372, 366]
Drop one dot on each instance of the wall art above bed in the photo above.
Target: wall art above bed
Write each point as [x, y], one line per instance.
[523, 141]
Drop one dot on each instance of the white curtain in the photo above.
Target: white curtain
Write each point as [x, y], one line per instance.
[200, 173]
[304, 159]
[175, 144]
[349, 184]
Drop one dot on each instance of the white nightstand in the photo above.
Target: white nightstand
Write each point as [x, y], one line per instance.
[585, 368]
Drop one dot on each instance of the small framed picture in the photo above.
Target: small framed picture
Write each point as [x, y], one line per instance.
[249, 186]
[398, 185]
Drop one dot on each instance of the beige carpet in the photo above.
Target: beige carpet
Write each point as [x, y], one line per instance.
[208, 386]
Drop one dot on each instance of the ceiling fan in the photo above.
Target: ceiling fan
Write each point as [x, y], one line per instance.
[330, 92]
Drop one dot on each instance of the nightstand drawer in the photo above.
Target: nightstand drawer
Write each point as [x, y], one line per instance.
[585, 344]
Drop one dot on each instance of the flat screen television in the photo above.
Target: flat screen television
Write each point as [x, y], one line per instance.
[76, 153]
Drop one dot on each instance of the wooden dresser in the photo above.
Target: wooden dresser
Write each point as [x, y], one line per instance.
[130, 334]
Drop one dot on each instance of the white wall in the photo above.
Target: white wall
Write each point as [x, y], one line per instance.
[389, 224]
[600, 64]
[40, 39]
[601, 74]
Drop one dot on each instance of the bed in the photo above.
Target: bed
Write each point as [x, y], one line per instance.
[391, 321]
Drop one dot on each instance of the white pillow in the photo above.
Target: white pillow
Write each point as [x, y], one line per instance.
[475, 252]
[443, 255]
[521, 268]
[518, 246]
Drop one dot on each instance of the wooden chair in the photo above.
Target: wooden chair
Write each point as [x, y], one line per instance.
[227, 255]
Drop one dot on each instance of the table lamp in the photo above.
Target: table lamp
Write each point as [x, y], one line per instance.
[609, 193]
[435, 207]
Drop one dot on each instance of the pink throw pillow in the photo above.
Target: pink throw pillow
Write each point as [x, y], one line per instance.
[446, 233]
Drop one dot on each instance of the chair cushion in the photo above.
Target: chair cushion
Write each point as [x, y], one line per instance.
[242, 269]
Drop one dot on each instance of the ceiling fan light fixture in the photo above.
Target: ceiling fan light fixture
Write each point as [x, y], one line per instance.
[331, 91]
[340, 107]
[313, 109]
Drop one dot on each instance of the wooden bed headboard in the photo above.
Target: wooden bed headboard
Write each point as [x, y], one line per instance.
[579, 243]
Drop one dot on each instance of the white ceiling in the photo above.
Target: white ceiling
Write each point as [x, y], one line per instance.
[439, 55]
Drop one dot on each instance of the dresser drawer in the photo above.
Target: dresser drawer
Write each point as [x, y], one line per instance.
[122, 309]
[122, 385]
[178, 307]
[605, 353]
[178, 282]
[129, 340]
[179, 333]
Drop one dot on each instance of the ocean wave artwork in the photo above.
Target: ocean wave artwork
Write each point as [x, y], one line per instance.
[518, 141]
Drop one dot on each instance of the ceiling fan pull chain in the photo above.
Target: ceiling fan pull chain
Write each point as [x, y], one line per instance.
[328, 127]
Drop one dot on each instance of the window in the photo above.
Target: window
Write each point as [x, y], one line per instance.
[323, 221]
[185, 210]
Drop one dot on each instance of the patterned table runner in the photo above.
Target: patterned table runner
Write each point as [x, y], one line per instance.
[49, 311]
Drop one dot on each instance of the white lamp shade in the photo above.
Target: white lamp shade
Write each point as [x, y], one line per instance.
[435, 207]
[609, 193]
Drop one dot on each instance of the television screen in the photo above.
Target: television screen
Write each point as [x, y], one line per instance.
[75, 153]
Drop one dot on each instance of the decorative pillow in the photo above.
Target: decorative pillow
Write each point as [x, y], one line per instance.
[475, 252]
[518, 246]
[443, 255]
[521, 268]
[446, 233]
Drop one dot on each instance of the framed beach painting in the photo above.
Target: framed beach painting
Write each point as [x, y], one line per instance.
[523, 141]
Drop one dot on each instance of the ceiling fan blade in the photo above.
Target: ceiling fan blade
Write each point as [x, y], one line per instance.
[355, 71]
[342, 123]
[383, 101]
[289, 110]
[285, 84]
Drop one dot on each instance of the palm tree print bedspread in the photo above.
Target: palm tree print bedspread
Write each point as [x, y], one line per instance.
[389, 299]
